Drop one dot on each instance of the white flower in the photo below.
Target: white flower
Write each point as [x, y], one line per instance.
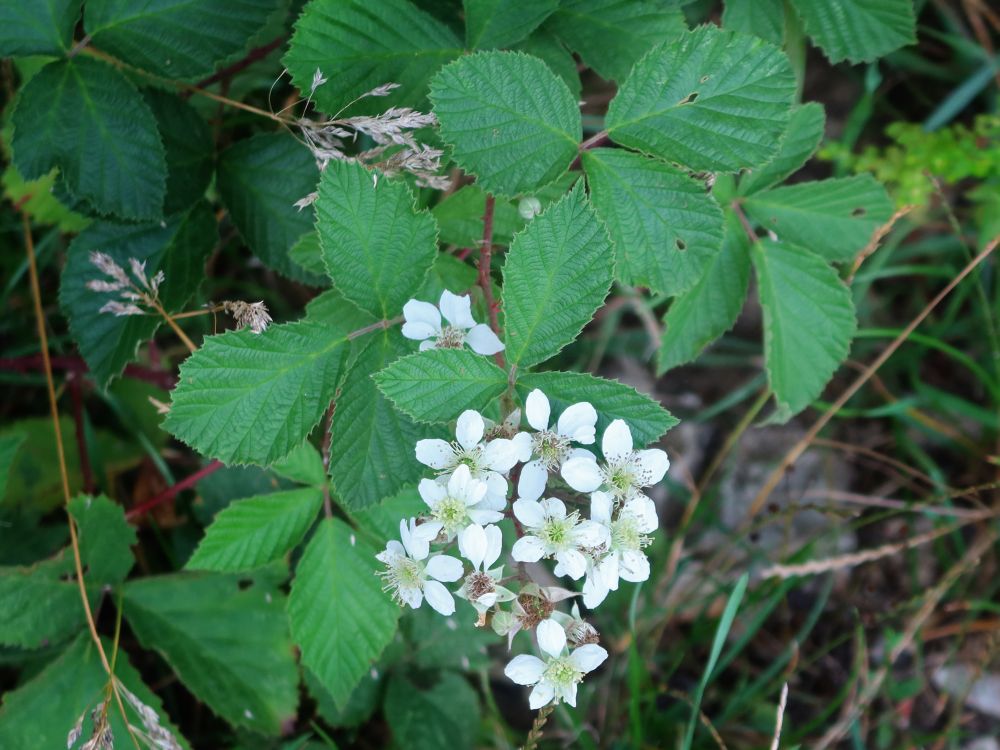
[482, 547]
[454, 505]
[552, 447]
[625, 472]
[624, 557]
[410, 576]
[556, 678]
[423, 324]
[553, 533]
[487, 462]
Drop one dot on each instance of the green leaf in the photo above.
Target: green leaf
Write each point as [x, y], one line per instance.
[611, 35]
[359, 45]
[510, 120]
[448, 272]
[382, 519]
[9, 444]
[372, 444]
[492, 24]
[36, 199]
[460, 218]
[189, 619]
[834, 218]
[303, 465]
[763, 18]
[41, 712]
[712, 100]
[557, 273]
[453, 642]
[427, 718]
[709, 308]
[86, 118]
[252, 398]
[858, 30]
[176, 39]
[341, 619]
[376, 245]
[255, 531]
[307, 253]
[39, 27]
[365, 698]
[106, 540]
[802, 137]
[665, 226]
[808, 322]
[612, 400]
[189, 148]
[178, 247]
[259, 180]
[439, 384]
[546, 47]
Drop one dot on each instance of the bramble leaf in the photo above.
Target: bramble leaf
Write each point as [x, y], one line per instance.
[804, 132]
[39, 27]
[187, 141]
[858, 30]
[510, 120]
[439, 384]
[665, 226]
[808, 322]
[86, 118]
[336, 591]
[557, 273]
[711, 99]
[763, 18]
[492, 24]
[426, 718]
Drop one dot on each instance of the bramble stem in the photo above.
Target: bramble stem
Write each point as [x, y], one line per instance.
[485, 270]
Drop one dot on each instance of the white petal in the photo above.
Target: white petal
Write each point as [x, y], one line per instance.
[445, 568]
[482, 340]
[411, 595]
[457, 310]
[578, 423]
[553, 507]
[594, 590]
[416, 311]
[469, 429]
[432, 492]
[411, 545]
[634, 566]
[501, 454]
[418, 331]
[529, 513]
[435, 453]
[429, 344]
[439, 597]
[569, 694]
[582, 474]
[531, 483]
[551, 637]
[608, 570]
[572, 563]
[644, 509]
[537, 410]
[652, 465]
[522, 441]
[528, 549]
[617, 441]
[472, 544]
[458, 481]
[591, 534]
[496, 492]
[589, 657]
[601, 504]
[488, 599]
[483, 516]
[494, 545]
[525, 669]
[541, 695]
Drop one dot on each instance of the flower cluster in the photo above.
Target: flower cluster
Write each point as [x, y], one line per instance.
[587, 515]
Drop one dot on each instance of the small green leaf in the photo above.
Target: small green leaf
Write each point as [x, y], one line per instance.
[460, 218]
[176, 39]
[834, 218]
[178, 247]
[808, 322]
[9, 444]
[255, 531]
[709, 308]
[510, 120]
[427, 718]
[252, 398]
[189, 619]
[665, 226]
[491, 24]
[187, 141]
[39, 27]
[303, 465]
[358, 45]
[453, 642]
[439, 384]
[610, 35]
[341, 619]
[121, 169]
[858, 30]
[372, 444]
[802, 137]
[611, 399]
[382, 519]
[557, 273]
[307, 253]
[763, 18]
[376, 245]
[712, 100]
[106, 539]
[259, 180]
[544, 45]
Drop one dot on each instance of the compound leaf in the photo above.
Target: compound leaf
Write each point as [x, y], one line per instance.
[39, 27]
[804, 132]
[858, 30]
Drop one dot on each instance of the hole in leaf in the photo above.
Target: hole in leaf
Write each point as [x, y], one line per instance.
[245, 583]
[689, 98]
[681, 244]
[705, 78]
[859, 211]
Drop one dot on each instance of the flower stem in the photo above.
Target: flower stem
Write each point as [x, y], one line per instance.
[531, 742]
[173, 324]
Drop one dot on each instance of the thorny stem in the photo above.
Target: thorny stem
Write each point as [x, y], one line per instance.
[380, 325]
[747, 226]
[593, 142]
[258, 53]
[485, 276]
[174, 489]
[327, 445]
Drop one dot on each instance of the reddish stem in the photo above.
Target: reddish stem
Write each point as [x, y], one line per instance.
[593, 142]
[485, 277]
[258, 53]
[164, 380]
[76, 395]
[171, 492]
